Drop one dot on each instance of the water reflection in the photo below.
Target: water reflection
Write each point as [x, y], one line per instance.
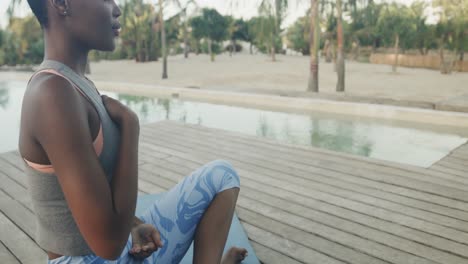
[166, 104]
[263, 128]
[4, 97]
[133, 100]
[376, 139]
[354, 136]
[339, 136]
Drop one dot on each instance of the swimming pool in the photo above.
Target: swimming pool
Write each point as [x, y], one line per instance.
[409, 144]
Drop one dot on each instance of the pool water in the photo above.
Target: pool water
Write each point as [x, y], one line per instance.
[420, 146]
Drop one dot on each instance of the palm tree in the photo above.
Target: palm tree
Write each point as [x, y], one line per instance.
[183, 12]
[396, 22]
[12, 7]
[274, 11]
[452, 27]
[163, 38]
[139, 31]
[340, 86]
[314, 46]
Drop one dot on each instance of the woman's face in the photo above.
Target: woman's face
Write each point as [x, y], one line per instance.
[93, 23]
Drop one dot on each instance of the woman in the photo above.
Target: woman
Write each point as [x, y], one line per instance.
[81, 155]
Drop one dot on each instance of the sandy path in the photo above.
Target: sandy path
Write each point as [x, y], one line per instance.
[246, 73]
[365, 82]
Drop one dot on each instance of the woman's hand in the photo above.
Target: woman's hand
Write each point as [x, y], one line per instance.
[145, 241]
[118, 111]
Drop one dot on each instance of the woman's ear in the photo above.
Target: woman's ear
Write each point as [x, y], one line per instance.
[61, 7]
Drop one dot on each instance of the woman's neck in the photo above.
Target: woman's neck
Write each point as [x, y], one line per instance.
[66, 51]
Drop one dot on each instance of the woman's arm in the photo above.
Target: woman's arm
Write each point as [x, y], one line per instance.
[60, 125]
[124, 184]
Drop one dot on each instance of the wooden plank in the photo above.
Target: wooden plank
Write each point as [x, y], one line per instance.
[342, 202]
[20, 215]
[463, 157]
[16, 191]
[345, 227]
[374, 249]
[311, 154]
[221, 138]
[380, 188]
[454, 160]
[311, 173]
[149, 188]
[454, 166]
[422, 215]
[146, 177]
[264, 194]
[448, 171]
[14, 157]
[380, 193]
[344, 253]
[438, 186]
[350, 160]
[271, 256]
[462, 149]
[286, 247]
[13, 173]
[6, 256]
[22, 246]
[246, 150]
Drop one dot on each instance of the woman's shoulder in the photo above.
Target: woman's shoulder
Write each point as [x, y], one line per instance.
[47, 89]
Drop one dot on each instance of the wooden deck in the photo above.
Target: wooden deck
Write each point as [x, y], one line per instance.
[297, 204]
[456, 163]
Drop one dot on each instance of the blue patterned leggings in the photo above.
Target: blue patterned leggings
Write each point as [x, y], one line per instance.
[176, 215]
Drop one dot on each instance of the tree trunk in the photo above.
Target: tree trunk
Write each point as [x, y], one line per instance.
[421, 51]
[340, 86]
[327, 51]
[231, 49]
[333, 49]
[210, 50]
[374, 46]
[314, 47]
[186, 45]
[251, 49]
[460, 60]
[355, 49]
[163, 39]
[273, 52]
[443, 65]
[441, 56]
[234, 46]
[395, 63]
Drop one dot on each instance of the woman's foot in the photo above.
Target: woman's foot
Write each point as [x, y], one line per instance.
[234, 256]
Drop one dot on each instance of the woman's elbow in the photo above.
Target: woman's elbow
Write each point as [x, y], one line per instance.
[109, 249]
[109, 252]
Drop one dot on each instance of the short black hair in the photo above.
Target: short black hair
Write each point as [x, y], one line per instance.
[39, 8]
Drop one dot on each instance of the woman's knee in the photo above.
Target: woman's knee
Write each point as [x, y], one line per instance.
[222, 175]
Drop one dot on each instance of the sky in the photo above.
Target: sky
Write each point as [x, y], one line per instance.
[238, 8]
